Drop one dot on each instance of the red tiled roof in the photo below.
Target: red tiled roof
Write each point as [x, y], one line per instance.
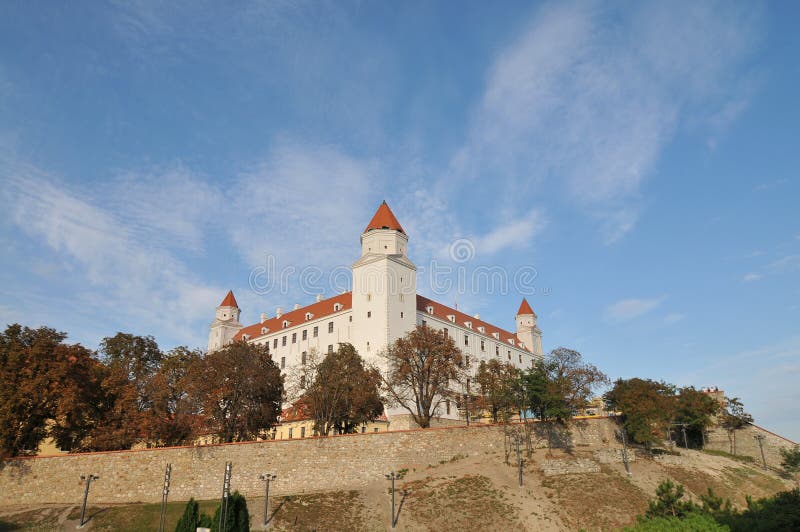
[525, 308]
[442, 311]
[319, 309]
[384, 219]
[229, 300]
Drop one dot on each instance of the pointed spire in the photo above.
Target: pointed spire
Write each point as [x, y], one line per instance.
[525, 308]
[384, 219]
[229, 300]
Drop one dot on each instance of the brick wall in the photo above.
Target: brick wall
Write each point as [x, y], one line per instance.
[312, 464]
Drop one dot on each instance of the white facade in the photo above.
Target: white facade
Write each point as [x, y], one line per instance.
[382, 307]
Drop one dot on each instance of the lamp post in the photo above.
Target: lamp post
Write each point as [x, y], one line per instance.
[267, 477]
[88, 479]
[761, 438]
[392, 477]
[164, 495]
[625, 451]
[226, 489]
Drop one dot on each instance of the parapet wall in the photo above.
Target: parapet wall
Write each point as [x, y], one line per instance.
[312, 464]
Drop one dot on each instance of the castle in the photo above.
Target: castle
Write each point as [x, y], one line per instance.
[382, 307]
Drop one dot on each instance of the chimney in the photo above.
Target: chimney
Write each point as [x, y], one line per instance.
[278, 312]
[319, 298]
[296, 306]
[477, 316]
[263, 317]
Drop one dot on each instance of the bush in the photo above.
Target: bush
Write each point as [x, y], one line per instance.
[237, 518]
[691, 523]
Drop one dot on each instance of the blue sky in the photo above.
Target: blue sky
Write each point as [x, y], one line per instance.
[641, 157]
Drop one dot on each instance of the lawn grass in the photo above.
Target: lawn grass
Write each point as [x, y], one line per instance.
[739, 457]
[136, 517]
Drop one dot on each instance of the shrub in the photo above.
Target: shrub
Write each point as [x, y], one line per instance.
[237, 518]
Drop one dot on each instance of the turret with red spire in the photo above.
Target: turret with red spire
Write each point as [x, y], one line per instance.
[527, 331]
[226, 323]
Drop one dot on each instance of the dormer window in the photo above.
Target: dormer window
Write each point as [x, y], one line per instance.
[264, 330]
[511, 341]
[245, 337]
[482, 329]
[285, 323]
[468, 324]
[496, 335]
[451, 317]
[429, 309]
[309, 316]
[337, 307]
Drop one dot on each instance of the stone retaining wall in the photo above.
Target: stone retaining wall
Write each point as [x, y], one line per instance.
[312, 464]
[567, 467]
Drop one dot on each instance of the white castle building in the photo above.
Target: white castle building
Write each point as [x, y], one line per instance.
[382, 307]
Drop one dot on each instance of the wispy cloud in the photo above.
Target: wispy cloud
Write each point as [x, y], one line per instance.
[673, 317]
[752, 276]
[628, 309]
[513, 234]
[591, 95]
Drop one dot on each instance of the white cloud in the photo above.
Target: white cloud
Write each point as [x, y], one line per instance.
[752, 276]
[517, 233]
[673, 317]
[122, 269]
[628, 309]
[789, 263]
[592, 94]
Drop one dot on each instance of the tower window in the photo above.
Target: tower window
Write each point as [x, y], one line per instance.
[369, 313]
[401, 315]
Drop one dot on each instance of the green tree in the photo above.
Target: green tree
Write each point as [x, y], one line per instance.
[497, 382]
[238, 391]
[669, 503]
[790, 460]
[696, 409]
[237, 518]
[647, 407]
[734, 418]
[341, 391]
[192, 518]
[424, 367]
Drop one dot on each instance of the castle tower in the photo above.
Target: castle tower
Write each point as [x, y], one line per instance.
[527, 331]
[384, 285]
[226, 323]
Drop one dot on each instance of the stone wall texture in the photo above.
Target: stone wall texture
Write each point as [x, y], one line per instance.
[747, 444]
[568, 467]
[307, 465]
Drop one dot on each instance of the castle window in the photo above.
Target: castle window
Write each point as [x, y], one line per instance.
[330, 327]
[245, 337]
[302, 432]
[275, 344]
[367, 346]
[285, 324]
[305, 334]
[290, 432]
[402, 298]
[520, 359]
[350, 318]
[369, 313]
[337, 307]
[496, 335]
[468, 324]
[330, 348]
[467, 360]
[497, 350]
[511, 341]
[294, 338]
[283, 341]
[482, 329]
[315, 333]
[483, 346]
[375, 429]
[445, 332]
[363, 429]
[302, 381]
[309, 316]
[429, 309]
[466, 339]
[424, 323]
[369, 297]
[451, 317]
[283, 362]
[264, 330]
[401, 315]
[303, 358]
[447, 406]
[509, 354]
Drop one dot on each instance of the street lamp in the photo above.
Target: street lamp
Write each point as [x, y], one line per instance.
[392, 477]
[761, 438]
[267, 477]
[88, 479]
